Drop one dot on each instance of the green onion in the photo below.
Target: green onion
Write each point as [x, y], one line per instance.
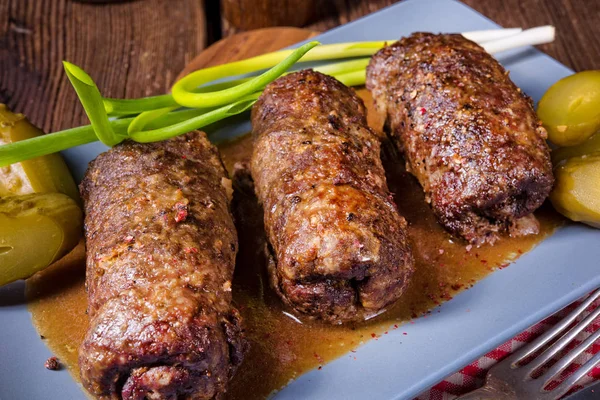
[90, 98]
[200, 121]
[182, 90]
[155, 118]
[136, 106]
[144, 118]
[353, 78]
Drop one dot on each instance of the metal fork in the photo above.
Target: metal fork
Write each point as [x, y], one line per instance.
[508, 380]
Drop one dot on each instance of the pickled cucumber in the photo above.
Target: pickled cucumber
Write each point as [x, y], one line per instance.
[592, 145]
[36, 230]
[39, 175]
[577, 191]
[570, 109]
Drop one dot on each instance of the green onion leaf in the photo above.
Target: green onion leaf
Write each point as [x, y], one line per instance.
[90, 98]
[136, 106]
[197, 122]
[183, 94]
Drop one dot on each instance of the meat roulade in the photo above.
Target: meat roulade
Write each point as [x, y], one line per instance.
[469, 135]
[338, 244]
[161, 247]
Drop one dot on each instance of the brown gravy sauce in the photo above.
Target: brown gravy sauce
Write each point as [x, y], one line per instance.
[281, 348]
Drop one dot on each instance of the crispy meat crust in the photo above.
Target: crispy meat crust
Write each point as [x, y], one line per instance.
[469, 135]
[161, 248]
[340, 249]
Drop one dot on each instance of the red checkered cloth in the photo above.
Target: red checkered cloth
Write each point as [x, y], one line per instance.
[472, 376]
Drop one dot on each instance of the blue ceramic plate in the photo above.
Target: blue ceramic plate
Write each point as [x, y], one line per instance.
[561, 269]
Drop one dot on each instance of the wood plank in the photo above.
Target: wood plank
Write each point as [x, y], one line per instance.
[131, 49]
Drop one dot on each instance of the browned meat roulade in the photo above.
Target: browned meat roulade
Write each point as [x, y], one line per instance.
[339, 247]
[469, 135]
[161, 248]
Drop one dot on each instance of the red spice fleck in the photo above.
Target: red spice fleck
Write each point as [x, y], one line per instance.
[395, 326]
[373, 335]
[484, 261]
[52, 364]
[319, 358]
[404, 333]
[519, 251]
[385, 333]
[182, 212]
[191, 250]
[422, 110]
[320, 368]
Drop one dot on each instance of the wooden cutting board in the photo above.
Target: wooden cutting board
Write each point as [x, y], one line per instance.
[245, 45]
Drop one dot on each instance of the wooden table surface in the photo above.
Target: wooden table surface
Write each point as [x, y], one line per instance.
[137, 48]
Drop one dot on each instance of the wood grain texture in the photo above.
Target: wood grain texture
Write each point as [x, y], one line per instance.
[255, 14]
[577, 23]
[131, 49]
[245, 45]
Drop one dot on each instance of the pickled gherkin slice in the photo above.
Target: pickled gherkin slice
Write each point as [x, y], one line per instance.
[39, 175]
[570, 109]
[592, 145]
[36, 230]
[577, 191]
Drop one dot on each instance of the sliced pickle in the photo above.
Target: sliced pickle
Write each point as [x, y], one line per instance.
[40, 175]
[570, 109]
[36, 230]
[576, 194]
[592, 145]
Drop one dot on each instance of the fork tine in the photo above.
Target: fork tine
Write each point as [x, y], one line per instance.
[532, 347]
[561, 343]
[564, 387]
[568, 358]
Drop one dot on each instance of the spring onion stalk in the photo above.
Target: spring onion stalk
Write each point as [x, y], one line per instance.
[183, 95]
[46, 144]
[136, 106]
[54, 142]
[529, 37]
[139, 123]
[354, 78]
[90, 98]
[491, 34]
[196, 122]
